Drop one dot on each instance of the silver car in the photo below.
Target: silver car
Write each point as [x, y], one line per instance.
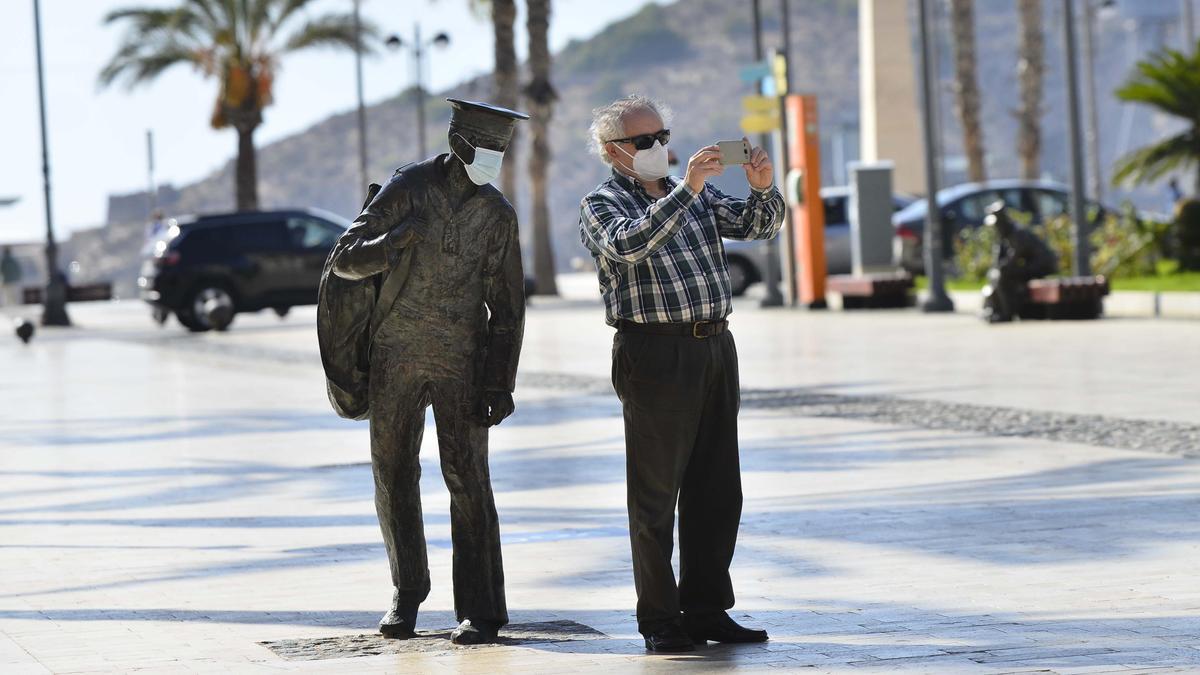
[748, 259]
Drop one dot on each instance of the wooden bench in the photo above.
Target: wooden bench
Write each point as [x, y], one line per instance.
[872, 291]
[1066, 298]
[81, 293]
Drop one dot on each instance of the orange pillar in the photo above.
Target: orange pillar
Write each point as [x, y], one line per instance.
[808, 216]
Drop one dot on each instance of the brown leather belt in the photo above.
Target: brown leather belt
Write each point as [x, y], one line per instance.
[698, 329]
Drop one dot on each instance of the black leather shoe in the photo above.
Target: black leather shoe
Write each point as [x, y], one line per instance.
[669, 638]
[475, 632]
[400, 622]
[718, 627]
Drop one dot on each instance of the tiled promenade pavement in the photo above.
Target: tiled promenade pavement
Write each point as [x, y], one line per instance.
[170, 502]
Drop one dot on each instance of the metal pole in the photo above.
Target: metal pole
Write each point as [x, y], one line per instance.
[782, 160]
[1078, 207]
[1095, 181]
[362, 107]
[152, 188]
[54, 300]
[1189, 27]
[774, 297]
[420, 93]
[938, 300]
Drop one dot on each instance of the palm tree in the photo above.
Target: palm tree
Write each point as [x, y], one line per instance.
[1170, 81]
[962, 18]
[541, 96]
[504, 80]
[239, 42]
[1031, 68]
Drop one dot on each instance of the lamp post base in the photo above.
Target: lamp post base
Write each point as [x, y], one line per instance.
[937, 303]
[54, 305]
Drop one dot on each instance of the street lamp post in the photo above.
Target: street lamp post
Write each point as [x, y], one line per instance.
[782, 160]
[1189, 27]
[151, 186]
[54, 302]
[938, 300]
[1078, 204]
[774, 297]
[1092, 134]
[362, 107]
[418, 52]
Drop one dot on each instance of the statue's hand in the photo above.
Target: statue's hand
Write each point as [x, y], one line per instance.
[494, 406]
[400, 237]
[405, 232]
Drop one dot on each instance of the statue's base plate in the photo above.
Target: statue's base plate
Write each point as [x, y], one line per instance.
[350, 646]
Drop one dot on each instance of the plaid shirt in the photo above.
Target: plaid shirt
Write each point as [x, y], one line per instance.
[662, 261]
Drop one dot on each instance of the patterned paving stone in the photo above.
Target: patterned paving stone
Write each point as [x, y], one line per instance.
[349, 646]
[179, 503]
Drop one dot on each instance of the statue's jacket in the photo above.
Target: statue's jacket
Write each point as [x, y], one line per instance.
[460, 307]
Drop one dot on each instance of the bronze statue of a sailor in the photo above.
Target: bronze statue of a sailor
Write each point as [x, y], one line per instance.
[422, 303]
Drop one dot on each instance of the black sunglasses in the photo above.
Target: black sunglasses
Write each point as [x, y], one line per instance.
[645, 141]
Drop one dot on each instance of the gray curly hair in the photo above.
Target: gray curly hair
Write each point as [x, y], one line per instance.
[608, 120]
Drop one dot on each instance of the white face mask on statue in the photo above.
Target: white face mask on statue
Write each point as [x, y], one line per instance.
[486, 166]
[651, 163]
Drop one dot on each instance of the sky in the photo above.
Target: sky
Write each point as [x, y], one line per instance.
[97, 137]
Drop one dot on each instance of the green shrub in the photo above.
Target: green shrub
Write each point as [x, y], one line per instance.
[975, 248]
[973, 252]
[1122, 245]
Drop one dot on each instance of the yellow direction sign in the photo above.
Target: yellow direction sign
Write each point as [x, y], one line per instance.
[760, 105]
[762, 114]
[760, 124]
[779, 70]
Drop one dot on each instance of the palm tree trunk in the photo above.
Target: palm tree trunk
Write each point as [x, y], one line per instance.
[962, 16]
[541, 97]
[504, 83]
[1031, 68]
[246, 175]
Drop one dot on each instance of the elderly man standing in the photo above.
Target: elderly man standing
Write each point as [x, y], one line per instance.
[663, 274]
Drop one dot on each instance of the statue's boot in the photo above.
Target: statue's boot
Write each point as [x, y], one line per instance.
[400, 622]
[475, 632]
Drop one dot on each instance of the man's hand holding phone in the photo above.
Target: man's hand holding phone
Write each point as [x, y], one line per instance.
[711, 161]
[703, 165]
[759, 171]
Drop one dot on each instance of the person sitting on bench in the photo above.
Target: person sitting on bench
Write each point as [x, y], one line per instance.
[1020, 257]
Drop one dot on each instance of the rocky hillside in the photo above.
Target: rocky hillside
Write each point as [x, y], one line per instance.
[686, 54]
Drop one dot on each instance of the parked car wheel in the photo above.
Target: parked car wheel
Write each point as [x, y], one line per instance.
[209, 307]
[184, 314]
[740, 276]
[282, 312]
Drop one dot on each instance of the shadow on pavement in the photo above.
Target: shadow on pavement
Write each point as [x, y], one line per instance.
[824, 633]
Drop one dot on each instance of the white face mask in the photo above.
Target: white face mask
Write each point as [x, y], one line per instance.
[486, 166]
[651, 163]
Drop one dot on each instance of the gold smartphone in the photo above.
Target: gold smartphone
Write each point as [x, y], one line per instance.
[734, 152]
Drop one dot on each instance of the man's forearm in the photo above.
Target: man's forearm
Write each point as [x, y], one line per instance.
[632, 240]
[760, 217]
[768, 214]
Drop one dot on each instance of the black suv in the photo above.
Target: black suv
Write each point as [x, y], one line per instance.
[206, 269]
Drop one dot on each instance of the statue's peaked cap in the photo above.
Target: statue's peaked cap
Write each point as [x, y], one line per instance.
[485, 118]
